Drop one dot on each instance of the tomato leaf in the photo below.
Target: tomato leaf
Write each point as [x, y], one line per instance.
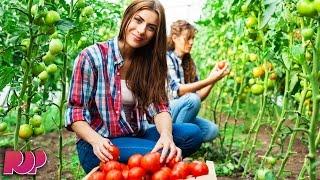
[6, 76]
[293, 82]
[65, 25]
[266, 2]
[285, 59]
[268, 14]
[269, 176]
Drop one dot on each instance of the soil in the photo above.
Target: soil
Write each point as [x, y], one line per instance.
[49, 143]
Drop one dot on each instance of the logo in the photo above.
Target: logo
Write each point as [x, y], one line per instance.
[27, 163]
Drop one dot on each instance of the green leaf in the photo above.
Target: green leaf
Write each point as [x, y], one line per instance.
[297, 52]
[65, 25]
[6, 76]
[266, 2]
[293, 82]
[268, 14]
[269, 176]
[285, 58]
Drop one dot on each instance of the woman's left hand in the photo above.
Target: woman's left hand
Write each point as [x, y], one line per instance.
[167, 145]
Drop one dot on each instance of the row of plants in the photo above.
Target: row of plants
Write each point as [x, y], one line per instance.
[39, 40]
[273, 47]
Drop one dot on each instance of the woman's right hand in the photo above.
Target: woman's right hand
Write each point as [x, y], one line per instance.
[219, 72]
[101, 149]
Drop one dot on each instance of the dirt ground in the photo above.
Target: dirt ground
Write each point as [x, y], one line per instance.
[49, 143]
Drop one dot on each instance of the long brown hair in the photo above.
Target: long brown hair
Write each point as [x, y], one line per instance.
[147, 72]
[188, 65]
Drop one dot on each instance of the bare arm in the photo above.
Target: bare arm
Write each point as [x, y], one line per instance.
[163, 124]
[204, 92]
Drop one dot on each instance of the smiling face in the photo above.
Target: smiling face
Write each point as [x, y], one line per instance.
[141, 28]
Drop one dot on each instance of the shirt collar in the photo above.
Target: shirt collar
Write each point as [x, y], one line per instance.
[119, 59]
[174, 55]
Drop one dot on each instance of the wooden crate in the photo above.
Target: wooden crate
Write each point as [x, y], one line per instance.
[210, 176]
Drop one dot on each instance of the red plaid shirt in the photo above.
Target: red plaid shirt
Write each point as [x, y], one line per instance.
[95, 93]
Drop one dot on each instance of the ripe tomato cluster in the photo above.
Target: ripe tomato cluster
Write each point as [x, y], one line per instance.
[148, 166]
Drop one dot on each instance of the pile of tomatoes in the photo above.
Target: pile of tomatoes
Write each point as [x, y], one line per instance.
[148, 166]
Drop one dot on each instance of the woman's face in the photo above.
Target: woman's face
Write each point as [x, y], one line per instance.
[183, 43]
[142, 28]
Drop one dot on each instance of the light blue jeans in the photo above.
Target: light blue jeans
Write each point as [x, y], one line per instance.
[185, 110]
[185, 135]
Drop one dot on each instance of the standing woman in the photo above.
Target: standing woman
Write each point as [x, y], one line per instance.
[118, 86]
[186, 91]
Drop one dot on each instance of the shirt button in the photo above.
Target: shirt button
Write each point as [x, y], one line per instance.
[118, 92]
[117, 112]
[118, 73]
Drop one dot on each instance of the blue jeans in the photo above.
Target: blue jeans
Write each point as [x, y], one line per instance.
[186, 136]
[185, 110]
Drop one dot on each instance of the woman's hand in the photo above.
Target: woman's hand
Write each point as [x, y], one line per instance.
[167, 145]
[100, 149]
[218, 72]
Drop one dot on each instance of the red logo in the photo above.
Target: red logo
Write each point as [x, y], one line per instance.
[27, 163]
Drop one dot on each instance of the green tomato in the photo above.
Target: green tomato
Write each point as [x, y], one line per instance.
[309, 94]
[55, 46]
[38, 131]
[52, 68]
[261, 174]
[83, 19]
[251, 21]
[38, 68]
[297, 97]
[43, 76]
[39, 21]
[257, 89]
[3, 126]
[48, 58]
[251, 81]
[271, 160]
[307, 33]
[244, 8]
[36, 120]
[80, 3]
[306, 8]
[25, 44]
[36, 109]
[25, 131]
[34, 10]
[52, 17]
[270, 83]
[87, 11]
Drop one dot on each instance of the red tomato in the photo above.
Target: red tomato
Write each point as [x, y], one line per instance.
[106, 167]
[221, 64]
[151, 162]
[114, 174]
[172, 162]
[124, 166]
[98, 175]
[125, 173]
[115, 152]
[136, 173]
[163, 174]
[198, 168]
[134, 160]
[180, 171]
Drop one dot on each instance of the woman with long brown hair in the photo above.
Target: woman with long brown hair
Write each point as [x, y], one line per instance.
[186, 90]
[118, 86]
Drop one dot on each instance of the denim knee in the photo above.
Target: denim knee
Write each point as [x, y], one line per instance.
[194, 100]
[187, 137]
[87, 158]
[212, 133]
